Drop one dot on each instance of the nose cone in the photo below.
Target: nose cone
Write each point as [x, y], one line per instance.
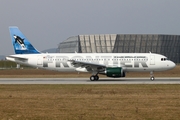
[172, 65]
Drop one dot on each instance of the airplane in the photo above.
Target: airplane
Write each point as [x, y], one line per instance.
[110, 64]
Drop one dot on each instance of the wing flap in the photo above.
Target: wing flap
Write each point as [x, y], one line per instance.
[89, 66]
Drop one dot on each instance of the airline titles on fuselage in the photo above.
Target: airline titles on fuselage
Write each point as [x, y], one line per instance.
[127, 61]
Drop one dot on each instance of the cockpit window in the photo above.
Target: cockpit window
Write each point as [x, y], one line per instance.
[163, 59]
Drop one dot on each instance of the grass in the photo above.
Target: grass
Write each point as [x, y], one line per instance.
[90, 102]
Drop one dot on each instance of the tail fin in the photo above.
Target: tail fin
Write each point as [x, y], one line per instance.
[20, 42]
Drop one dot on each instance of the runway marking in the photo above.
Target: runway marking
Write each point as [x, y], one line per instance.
[174, 80]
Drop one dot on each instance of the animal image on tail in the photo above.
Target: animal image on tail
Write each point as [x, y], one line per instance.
[20, 42]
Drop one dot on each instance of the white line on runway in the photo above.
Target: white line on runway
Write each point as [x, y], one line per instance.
[174, 80]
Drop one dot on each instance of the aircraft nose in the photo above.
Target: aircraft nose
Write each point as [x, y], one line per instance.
[172, 64]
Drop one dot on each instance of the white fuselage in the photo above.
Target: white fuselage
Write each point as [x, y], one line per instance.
[128, 61]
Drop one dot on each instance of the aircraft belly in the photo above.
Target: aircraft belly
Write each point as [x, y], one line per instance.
[59, 69]
[137, 70]
[66, 69]
[145, 69]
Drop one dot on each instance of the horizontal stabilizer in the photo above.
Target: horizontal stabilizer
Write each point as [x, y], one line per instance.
[14, 58]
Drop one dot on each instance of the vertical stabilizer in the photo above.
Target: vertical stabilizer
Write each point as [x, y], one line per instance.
[20, 43]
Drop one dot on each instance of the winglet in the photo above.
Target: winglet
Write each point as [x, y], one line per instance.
[20, 42]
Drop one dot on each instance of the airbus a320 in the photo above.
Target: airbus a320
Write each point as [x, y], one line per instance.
[109, 64]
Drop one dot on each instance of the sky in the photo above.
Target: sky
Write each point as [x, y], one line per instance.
[46, 23]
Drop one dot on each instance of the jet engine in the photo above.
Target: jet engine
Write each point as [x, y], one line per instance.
[114, 72]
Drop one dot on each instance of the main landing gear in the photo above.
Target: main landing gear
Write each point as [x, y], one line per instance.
[94, 78]
[152, 76]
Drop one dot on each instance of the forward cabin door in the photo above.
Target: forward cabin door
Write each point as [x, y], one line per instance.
[152, 60]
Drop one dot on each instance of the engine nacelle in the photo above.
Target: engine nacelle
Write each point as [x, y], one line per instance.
[115, 72]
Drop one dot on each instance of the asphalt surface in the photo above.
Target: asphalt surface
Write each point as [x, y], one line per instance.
[174, 80]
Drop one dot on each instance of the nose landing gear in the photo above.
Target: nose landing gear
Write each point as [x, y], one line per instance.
[152, 76]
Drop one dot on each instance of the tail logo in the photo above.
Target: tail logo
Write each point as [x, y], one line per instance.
[20, 41]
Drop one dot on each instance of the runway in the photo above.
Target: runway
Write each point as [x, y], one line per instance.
[174, 80]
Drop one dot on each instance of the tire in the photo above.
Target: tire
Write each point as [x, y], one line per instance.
[92, 78]
[96, 78]
[152, 78]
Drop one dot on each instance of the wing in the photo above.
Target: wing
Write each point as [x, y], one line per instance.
[90, 67]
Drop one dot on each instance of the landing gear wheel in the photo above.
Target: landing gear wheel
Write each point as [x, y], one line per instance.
[152, 78]
[94, 78]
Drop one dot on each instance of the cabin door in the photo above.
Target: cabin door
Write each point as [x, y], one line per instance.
[39, 60]
[152, 60]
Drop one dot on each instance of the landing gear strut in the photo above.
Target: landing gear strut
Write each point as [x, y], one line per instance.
[152, 76]
[94, 78]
